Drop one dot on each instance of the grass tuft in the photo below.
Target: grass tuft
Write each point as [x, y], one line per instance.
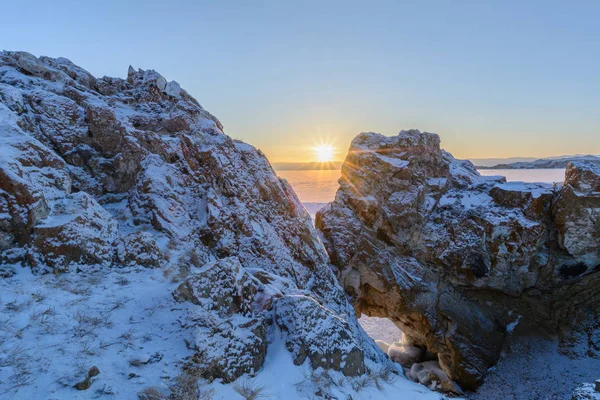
[249, 390]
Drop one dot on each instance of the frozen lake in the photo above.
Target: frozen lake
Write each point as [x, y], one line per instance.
[317, 186]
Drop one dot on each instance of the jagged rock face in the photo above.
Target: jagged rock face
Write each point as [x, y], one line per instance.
[577, 212]
[111, 172]
[453, 257]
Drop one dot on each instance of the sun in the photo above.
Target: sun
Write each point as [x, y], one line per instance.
[324, 153]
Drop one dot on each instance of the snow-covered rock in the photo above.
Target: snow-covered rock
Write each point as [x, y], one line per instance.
[452, 257]
[587, 391]
[223, 287]
[172, 89]
[78, 230]
[405, 355]
[233, 340]
[139, 248]
[577, 216]
[100, 174]
[315, 332]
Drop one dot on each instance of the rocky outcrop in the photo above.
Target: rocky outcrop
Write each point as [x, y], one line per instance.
[232, 341]
[577, 216]
[317, 333]
[108, 172]
[455, 259]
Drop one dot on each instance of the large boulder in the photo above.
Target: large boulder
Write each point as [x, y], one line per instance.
[587, 391]
[232, 341]
[452, 257]
[139, 248]
[315, 333]
[222, 286]
[31, 177]
[78, 230]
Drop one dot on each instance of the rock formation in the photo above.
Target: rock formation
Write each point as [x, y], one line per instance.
[99, 174]
[456, 259]
[108, 172]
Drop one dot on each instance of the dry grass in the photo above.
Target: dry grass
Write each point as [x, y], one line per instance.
[249, 390]
[122, 281]
[128, 338]
[87, 324]
[17, 359]
[316, 385]
[119, 303]
[375, 378]
[16, 307]
[186, 386]
[385, 374]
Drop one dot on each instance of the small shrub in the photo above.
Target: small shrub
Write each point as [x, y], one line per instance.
[363, 382]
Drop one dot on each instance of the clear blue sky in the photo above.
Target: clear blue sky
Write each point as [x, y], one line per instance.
[493, 78]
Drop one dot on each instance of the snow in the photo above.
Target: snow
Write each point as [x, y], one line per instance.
[468, 200]
[511, 327]
[173, 89]
[54, 328]
[533, 368]
[281, 379]
[381, 329]
[393, 161]
[536, 189]
[312, 208]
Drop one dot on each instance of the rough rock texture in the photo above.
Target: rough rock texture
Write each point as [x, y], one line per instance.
[108, 172]
[316, 332]
[79, 230]
[577, 215]
[139, 248]
[587, 391]
[235, 302]
[456, 259]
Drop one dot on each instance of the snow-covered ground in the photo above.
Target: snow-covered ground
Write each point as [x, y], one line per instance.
[380, 329]
[282, 380]
[533, 368]
[53, 329]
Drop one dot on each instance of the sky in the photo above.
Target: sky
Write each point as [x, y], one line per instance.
[492, 78]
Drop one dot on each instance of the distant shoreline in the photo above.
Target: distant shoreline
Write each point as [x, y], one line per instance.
[307, 166]
[480, 164]
[544, 163]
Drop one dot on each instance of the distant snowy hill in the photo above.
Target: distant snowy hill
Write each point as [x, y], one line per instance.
[552, 162]
[489, 162]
